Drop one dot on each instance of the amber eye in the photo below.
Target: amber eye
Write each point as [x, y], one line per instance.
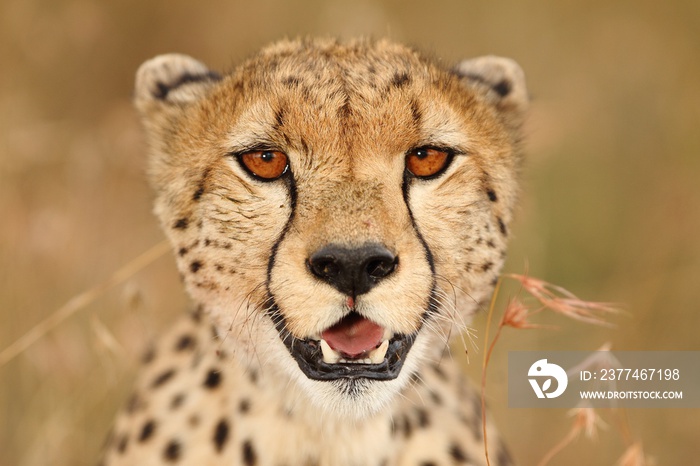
[427, 161]
[265, 164]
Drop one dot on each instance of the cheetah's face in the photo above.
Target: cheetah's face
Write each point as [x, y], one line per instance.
[337, 209]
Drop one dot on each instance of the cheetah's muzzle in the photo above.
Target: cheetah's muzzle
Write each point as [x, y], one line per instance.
[352, 348]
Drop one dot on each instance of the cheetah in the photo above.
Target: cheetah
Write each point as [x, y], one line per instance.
[337, 210]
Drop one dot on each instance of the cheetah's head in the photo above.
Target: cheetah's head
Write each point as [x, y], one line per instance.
[337, 209]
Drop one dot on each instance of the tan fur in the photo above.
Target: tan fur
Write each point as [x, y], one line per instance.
[346, 114]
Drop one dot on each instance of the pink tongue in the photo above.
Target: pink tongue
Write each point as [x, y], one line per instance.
[353, 335]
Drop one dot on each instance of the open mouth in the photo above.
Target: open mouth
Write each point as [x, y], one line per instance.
[355, 347]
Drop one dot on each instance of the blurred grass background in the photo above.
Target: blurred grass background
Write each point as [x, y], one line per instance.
[610, 205]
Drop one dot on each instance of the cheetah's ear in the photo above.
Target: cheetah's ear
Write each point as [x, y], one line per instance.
[504, 83]
[170, 82]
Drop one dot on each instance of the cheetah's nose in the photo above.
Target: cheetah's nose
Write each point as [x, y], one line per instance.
[353, 271]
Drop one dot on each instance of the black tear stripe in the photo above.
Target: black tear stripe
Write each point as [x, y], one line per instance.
[432, 300]
[272, 310]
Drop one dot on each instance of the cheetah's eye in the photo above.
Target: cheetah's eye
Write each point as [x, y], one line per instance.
[266, 165]
[425, 162]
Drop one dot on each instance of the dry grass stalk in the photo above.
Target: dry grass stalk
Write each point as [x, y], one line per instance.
[517, 314]
[564, 302]
[82, 300]
[586, 420]
[634, 456]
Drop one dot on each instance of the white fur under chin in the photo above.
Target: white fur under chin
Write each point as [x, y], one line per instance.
[360, 399]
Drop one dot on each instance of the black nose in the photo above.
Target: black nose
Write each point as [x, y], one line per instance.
[353, 271]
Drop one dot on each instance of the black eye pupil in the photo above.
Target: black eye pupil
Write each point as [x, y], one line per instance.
[421, 153]
[267, 156]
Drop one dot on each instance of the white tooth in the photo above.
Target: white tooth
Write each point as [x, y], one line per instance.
[376, 356]
[367, 361]
[329, 356]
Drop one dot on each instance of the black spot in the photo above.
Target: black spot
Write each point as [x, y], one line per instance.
[134, 403]
[213, 379]
[173, 451]
[416, 113]
[149, 356]
[123, 443]
[458, 454]
[423, 418]
[244, 406]
[502, 226]
[250, 458]
[502, 88]
[437, 399]
[202, 185]
[221, 435]
[253, 374]
[291, 81]
[195, 266]
[181, 223]
[147, 430]
[163, 378]
[400, 79]
[407, 427]
[487, 266]
[185, 342]
[279, 118]
[181, 252]
[491, 244]
[440, 373]
[492, 195]
[219, 267]
[177, 401]
[345, 111]
[428, 463]
[197, 314]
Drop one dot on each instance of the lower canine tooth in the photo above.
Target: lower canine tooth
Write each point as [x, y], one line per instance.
[377, 355]
[329, 356]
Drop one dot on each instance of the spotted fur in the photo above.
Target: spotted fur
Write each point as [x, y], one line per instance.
[222, 387]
